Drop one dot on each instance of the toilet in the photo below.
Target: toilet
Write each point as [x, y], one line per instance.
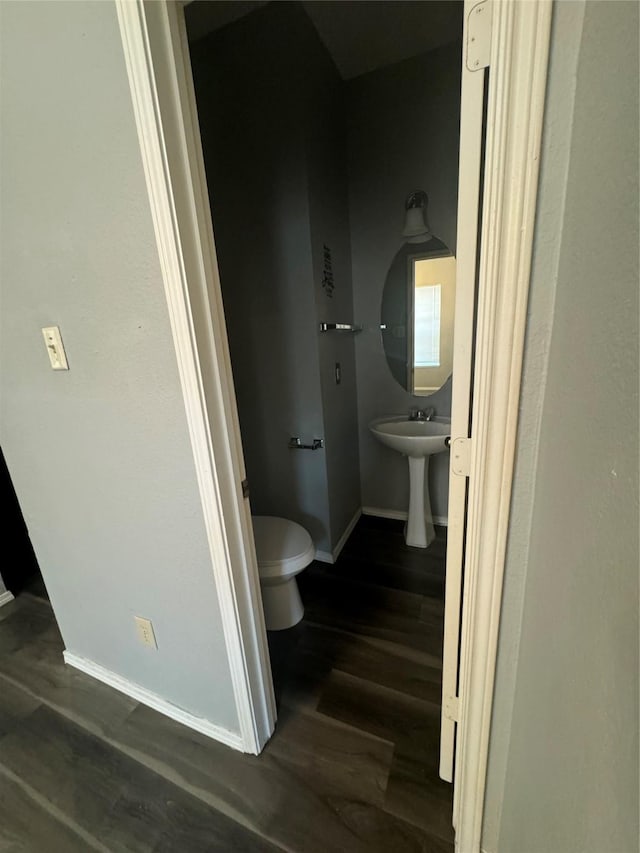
[283, 549]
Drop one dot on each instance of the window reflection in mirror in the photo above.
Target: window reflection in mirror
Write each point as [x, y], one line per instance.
[432, 284]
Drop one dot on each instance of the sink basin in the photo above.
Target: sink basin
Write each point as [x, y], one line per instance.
[413, 438]
[417, 440]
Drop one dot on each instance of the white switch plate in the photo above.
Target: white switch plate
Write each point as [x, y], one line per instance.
[53, 342]
[145, 632]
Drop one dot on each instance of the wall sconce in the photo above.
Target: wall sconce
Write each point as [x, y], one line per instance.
[416, 227]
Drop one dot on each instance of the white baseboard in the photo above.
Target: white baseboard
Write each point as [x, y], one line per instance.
[331, 557]
[347, 533]
[5, 597]
[400, 515]
[146, 697]
[378, 512]
[324, 557]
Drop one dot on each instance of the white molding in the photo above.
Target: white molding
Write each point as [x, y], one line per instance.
[156, 54]
[400, 515]
[5, 597]
[342, 541]
[472, 96]
[331, 557]
[518, 71]
[379, 512]
[324, 557]
[152, 700]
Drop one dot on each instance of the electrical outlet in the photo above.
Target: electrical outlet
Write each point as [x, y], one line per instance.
[144, 628]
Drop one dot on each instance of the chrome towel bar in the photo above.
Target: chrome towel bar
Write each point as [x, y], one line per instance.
[339, 327]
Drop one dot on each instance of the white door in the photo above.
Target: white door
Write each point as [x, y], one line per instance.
[475, 57]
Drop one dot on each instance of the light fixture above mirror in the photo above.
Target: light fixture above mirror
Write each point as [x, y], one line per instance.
[418, 304]
[416, 227]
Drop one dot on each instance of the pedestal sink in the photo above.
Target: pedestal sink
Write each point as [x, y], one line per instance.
[417, 440]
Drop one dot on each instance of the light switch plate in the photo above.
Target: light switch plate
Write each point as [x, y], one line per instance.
[144, 628]
[53, 342]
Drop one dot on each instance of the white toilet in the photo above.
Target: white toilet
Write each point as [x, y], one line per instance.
[283, 549]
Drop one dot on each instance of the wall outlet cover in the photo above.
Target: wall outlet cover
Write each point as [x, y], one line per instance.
[144, 629]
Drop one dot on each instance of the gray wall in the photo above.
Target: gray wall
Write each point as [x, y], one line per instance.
[563, 771]
[273, 153]
[329, 221]
[99, 456]
[254, 148]
[403, 135]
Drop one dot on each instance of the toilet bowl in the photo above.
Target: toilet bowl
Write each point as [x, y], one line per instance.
[283, 550]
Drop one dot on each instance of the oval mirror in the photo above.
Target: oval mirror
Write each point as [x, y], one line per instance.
[418, 303]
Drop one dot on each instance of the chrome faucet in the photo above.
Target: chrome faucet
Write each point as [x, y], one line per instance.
[422, 414]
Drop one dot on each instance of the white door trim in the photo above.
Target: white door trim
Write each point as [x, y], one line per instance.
[156, 56]
[159, 73]
[517, 79]
[472, 97]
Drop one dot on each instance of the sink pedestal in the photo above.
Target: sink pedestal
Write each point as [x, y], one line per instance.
[417, 440]
[419, 531]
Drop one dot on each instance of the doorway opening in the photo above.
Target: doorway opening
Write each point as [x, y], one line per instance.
[513, 39]
[331, 158]
[20, 571]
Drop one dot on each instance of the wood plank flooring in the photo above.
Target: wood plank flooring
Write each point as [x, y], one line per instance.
[352, 765]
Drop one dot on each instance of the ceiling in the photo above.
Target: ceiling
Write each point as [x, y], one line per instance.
[360, 35]
[206, 16]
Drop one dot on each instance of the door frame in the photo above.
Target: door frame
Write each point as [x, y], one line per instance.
[515, 110]
[157, 59]
[158, 66]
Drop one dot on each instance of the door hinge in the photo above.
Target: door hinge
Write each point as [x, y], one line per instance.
[461, 456]
[450, 707]
[245, 488]
[479, 36]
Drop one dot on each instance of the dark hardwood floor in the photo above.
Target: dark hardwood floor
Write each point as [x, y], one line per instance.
[352, 765]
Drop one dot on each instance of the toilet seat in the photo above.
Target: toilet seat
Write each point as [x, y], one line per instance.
[282, 546]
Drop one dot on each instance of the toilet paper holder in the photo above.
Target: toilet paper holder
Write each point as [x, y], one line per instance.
[296, 444]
